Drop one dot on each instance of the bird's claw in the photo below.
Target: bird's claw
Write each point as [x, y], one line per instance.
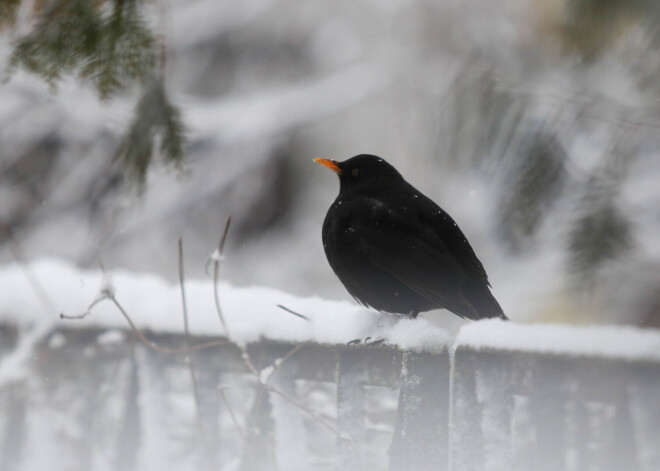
[366, 341]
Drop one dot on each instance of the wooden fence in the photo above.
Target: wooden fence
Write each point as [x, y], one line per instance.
[97, 400]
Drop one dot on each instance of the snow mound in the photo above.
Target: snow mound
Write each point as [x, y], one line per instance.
[252, 313]
[624, 342]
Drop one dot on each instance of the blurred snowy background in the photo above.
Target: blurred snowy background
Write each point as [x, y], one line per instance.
[126, 124]
[535, 124]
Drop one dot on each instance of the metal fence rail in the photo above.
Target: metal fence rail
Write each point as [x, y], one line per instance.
[95, 400]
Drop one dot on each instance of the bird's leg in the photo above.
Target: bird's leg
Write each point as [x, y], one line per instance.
[413, 314]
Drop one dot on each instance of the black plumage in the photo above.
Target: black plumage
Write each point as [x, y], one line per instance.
[397, 251]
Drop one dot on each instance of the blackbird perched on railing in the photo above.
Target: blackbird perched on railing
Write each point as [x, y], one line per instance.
[397, 251]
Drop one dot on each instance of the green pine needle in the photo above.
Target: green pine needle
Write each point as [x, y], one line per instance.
[156, 120]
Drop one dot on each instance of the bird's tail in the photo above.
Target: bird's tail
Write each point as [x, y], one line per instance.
[485, 305]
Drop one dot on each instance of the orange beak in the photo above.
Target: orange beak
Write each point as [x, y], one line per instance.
[331, 164]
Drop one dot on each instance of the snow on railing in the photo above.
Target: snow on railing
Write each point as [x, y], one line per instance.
[287, 393]
[100, 399]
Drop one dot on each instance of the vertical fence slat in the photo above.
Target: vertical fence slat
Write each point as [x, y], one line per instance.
[467, 441]
[13, 407]
[129, 431]
[207, 377]
[421, 435]
[623, 455]
[351, 376]
[290, 435]
[548, 412]
[152, 402]
[258, 454]
[494, 376]
[577, 434]
[643, 393]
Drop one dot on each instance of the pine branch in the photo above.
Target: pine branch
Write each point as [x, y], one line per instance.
[8, 12]
[156, 118]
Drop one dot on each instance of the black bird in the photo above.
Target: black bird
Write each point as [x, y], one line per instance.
[397, 251]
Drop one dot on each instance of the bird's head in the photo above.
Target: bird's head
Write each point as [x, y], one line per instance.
[361, 173]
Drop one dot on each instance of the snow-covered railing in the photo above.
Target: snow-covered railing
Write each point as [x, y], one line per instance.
[287, 393]
[98, 399]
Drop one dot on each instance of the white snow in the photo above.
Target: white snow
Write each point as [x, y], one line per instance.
[625, 342]
[417, 334]
[111, 336]
[216, 256]
[155, 304]
[252, 314]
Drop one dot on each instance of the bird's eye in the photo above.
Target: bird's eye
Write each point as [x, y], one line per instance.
[356, 172]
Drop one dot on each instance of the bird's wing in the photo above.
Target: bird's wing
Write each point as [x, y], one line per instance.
[454, 239]
[476, 288]
[418, 258]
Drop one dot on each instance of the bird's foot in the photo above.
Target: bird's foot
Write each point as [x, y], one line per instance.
[366, 341]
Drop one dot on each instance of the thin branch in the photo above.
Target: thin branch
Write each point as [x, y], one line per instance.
[183, 294]
[279, 362]
[108, 294]
[19, 256]
[311, 413]
[88, 311]
[293, 312]
[13, 366]
[140, 335]
[191, 370]
[248, 362]
[221, 248]
[217, 257]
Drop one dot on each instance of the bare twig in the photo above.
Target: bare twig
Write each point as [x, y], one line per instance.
[88, 312]
[140, 335]
[108, 292]
[183, 294]
[293, 312]
[279, 362]
[221, 248]
[248, 362]
[311, 413]
[13, 365]
[18, 254]
[216, 257]
[191, 370]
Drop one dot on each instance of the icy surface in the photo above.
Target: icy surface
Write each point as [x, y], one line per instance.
[153, 303]
[625, 342]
